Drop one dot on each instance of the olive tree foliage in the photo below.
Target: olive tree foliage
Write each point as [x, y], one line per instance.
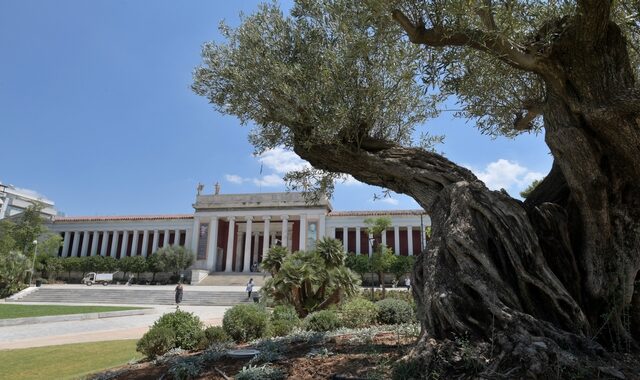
[345, 84]
[327, 73]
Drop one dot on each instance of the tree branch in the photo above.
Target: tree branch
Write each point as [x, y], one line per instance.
[524, 122]
[592, 18]
[485, 12]
[410, 171]
[492, 43]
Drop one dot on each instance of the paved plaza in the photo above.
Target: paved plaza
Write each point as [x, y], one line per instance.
[95, 330]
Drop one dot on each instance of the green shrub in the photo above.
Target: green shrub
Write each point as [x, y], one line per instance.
[324, 320]
[265, 372]
[185, 369]
[245, 322]
[216, 334]
[393, 311]
[156, 342]
[187, 328]
[284, 320]
[357, 313]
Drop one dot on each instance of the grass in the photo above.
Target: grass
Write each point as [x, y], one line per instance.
[69, 361]
[9, 311]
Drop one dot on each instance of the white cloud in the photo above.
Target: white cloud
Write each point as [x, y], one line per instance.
[390, 201]
[282, 161]
[505, 174]
[270, 180]
[233, 178]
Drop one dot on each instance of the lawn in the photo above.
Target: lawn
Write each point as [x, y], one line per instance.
[69, 361]
[8, 311]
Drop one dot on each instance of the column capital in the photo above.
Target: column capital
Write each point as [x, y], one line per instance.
[214, 217]
[284, 217]
[231, 218]
[267, 217]
[248, 218]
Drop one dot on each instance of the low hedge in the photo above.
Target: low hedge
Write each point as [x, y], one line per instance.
[394, 311]
[246, 322]
[321, 321]
[358, 312]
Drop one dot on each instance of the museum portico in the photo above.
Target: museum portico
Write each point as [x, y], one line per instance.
[232, 232]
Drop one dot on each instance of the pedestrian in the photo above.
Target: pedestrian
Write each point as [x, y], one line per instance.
[249, 287]
[179, 291]
[407, 283]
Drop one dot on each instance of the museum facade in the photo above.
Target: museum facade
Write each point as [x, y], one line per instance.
[232, 232]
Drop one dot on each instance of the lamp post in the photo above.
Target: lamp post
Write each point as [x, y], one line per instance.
[33, 265]
[371, 241]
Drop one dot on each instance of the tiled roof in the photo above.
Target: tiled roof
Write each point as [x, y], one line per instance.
[378, 213]
[118, 218]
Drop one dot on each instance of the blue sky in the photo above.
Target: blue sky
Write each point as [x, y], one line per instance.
[97, 115]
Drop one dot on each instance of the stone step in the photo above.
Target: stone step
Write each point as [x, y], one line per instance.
[126, 296]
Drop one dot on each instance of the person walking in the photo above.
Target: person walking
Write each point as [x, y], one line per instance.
[407, 283]
[249, 289]
[179, 291]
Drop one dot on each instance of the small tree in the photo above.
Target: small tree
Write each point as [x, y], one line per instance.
[382, 257]
[381, 263]
[134, 264]
[359, 264]
[175, 258]
[155, 265]
[314, 280]
[401, 266]
[71, 264]
[13, 266]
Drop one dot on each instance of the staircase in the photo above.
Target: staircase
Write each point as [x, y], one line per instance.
[233, 279]
[134, 296]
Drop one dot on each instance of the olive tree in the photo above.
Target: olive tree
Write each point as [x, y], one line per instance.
[336, 82]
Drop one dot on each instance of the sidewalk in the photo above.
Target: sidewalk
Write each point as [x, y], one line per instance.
[95, 330]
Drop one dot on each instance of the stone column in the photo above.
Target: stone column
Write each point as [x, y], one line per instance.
[247, 246]
[285, 230]
[273, 240]
[410, 240]
[156, 241]
[165, 241]
[134, 243]
[229, 253]
[384, 237]
[65, 245]
[370, 244]
[345, 238]
[358, 241]
[188, 238]
[322, 230]
[396, 239]
[176, 239]
[332, 232]
[76, 242]
[256, 247]
[212, 249]
[105, 243]
[125, 242]
[114, 243]
[239, 249]
[303, 232]
[267, 232]
[85, 243]
[145, 243]
[94, 244]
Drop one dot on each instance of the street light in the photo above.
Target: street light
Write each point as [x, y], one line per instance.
[33, 266]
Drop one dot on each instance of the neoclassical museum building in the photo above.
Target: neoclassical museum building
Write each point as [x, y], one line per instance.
[231, 232]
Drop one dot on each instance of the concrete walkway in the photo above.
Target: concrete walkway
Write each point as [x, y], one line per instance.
[95, 330]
